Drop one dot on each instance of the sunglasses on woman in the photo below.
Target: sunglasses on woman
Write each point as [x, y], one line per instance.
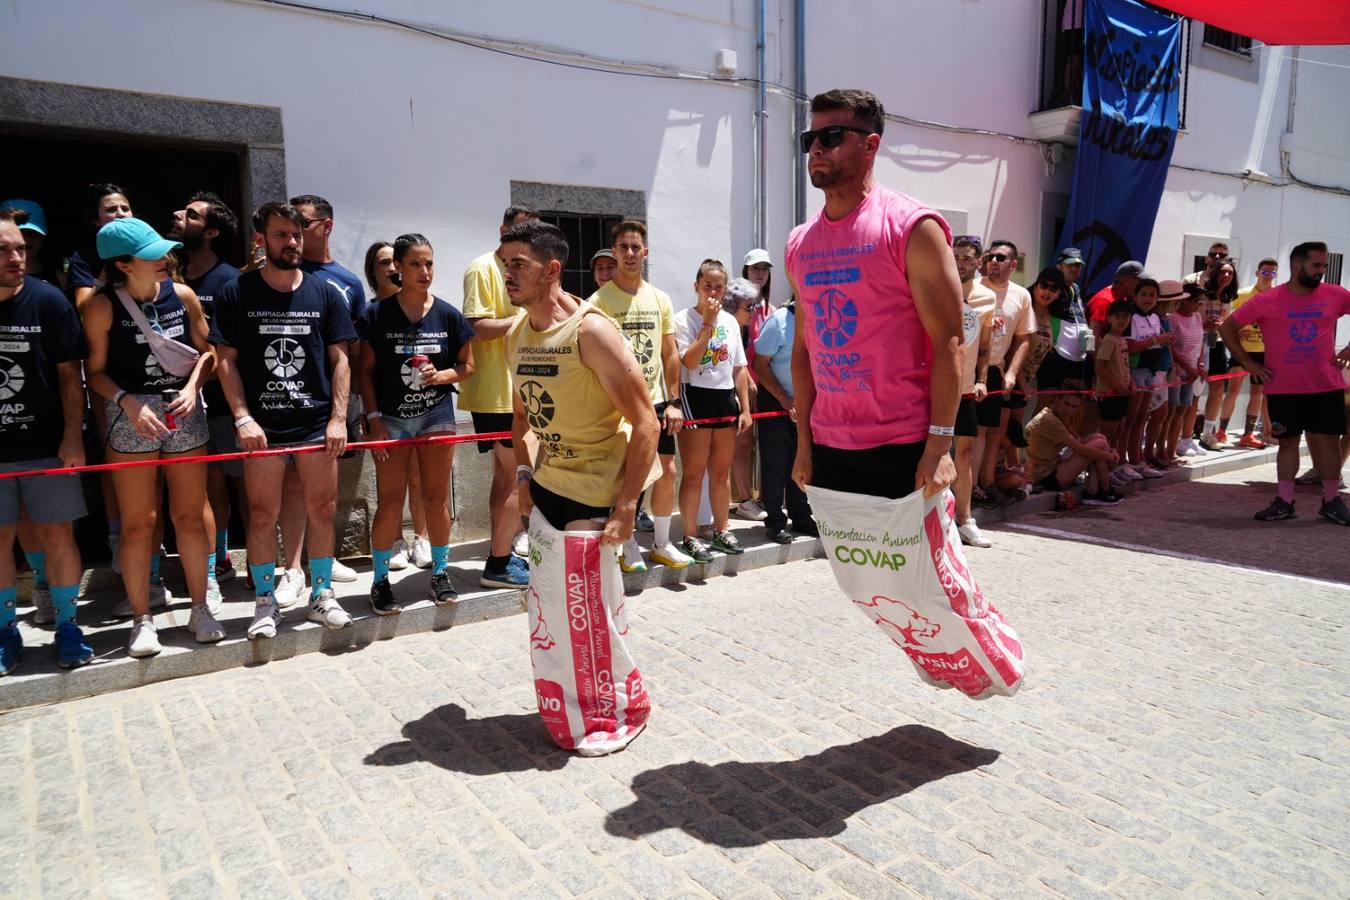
[830, 136]
[151, 314]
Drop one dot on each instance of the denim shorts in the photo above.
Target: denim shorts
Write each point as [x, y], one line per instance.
[1181, 394]
[440, 419]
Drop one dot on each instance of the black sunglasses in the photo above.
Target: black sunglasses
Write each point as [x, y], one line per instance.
[831, 136]
[998, 257]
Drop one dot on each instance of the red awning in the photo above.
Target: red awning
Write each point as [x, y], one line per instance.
[1289, 22]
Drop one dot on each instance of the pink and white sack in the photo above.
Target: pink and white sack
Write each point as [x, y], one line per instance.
[589, 690]
[901, 563]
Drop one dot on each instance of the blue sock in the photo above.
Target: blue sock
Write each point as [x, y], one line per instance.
[440, 558]
[38, 563]
[154, 569]
[262, 578]
[223, 543]
[114, 527]
[211, 566]
[321, 574]
[63, 601]
[381, 558]
[8, 600]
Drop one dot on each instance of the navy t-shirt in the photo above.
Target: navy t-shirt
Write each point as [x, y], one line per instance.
[131, 364]
[83, 268]
[348, 285]
[440, 336]
[206, 287]
[282, 340]
[39, 329]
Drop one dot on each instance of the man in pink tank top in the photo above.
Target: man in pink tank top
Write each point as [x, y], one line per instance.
[876, 361]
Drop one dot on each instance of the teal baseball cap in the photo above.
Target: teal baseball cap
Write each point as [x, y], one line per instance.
[132, 237]
[37, 217]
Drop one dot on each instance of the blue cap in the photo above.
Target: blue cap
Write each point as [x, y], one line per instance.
[37, 218]
[132, 237]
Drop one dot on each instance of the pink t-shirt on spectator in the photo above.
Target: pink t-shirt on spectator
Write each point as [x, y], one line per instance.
[1300, 335]
[1190, 338]
[870, 356]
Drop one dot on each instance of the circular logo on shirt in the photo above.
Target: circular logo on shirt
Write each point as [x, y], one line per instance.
[11, 378]
[643, 348]
[1303, 332]
[284, 357]
[152, 367]
[538, 404]
[412, 378]
[836, 318]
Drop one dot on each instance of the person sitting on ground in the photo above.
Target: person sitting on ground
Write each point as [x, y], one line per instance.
[1058, 455]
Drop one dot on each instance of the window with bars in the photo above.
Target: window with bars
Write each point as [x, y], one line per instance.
[1334, 263]
[585, 234]
[1227, 40]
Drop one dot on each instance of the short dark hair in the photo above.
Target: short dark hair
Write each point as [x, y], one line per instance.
[863, 105]
[1301, 251]
[218, 216]
[93, 197]
[276, 208]
[626, 226]
[1119, 307]
[321, 206]
[1268, 261]
[372, 254]
[1005, 243]
[517, 209]
[405, 242]
[1218, 244]
[1147, 282]
[12, 214]
[545, 241]
[966, 240]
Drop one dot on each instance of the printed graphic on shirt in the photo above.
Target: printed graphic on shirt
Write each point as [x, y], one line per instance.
[836, 321]
[11, 376]
[539, 408]
[38, 330]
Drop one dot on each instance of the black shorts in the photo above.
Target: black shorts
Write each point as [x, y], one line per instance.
[1051, 481]
[487, 423]
[665, 441]
[989, 411]
[967, 420]
[1113, 409]
[1258, 356]
[710, 403]
[1055, 369]
[1293, 414]
[1218, 360]
[558, 510]
[885, 471]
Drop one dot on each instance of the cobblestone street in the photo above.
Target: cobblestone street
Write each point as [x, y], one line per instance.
[1181, 733]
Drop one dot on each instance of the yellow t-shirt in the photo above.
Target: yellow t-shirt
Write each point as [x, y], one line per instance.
[489, 390]
[583, 438]
[1250, 335]
[644, 318]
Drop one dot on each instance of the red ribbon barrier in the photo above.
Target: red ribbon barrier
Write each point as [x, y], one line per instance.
[1133, 390]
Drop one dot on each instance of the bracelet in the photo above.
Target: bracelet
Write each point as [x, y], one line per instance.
[524, 474]
[117, 398]
[942, 430]
[242, 421]
[374, 415]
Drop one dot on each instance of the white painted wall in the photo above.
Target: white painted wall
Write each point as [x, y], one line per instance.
[402, 131]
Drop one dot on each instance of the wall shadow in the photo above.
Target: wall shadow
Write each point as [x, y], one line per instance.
[745, 804]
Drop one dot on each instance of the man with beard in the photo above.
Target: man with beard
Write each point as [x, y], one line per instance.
[282, 340]
[205, 226]
[1302, 375]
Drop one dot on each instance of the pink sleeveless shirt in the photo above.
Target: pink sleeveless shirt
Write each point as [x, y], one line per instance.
[870, 356]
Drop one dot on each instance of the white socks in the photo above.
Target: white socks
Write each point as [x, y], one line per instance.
[660, 531]
[632, 553]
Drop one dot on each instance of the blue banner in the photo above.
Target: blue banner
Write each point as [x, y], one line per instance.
[1131, 95]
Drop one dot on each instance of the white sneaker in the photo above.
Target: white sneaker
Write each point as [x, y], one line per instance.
[1185, 447]
[670, 555]
[203, 625]
[327, 611]
[749, 509]
[1132, 472]
[288, 588]
[144, 640]
[214, 599]
[44, 613]
[1150, 472]
[342, 572]
[1119, 480]
[630, 560]
[421, 553]
[970, 534]
[115, 548]
[399, 561]
[521, 545]
[159, 598]
[266, 618]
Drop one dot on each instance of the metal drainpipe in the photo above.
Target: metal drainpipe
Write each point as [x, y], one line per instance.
[761, 116]
[798, 111]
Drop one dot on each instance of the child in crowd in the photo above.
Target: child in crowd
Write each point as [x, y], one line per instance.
[1188, 365]
[1058, 455]
[1155, 424]
[1112, 367]
[1146, 340]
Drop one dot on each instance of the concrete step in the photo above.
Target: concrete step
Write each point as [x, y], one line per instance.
[39, 681]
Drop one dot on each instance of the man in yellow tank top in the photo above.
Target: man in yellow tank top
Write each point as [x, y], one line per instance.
[579, 388]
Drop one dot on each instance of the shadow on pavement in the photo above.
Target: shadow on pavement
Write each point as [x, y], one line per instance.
[744, 804]
[1212, 521]
[448, 738]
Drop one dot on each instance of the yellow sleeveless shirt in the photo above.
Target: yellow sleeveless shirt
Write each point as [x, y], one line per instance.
[583, 436]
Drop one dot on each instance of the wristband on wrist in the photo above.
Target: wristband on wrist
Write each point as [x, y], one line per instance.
[941, 430]
[242, 421]
[117, 397]
[374, 415]
[524, 474]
